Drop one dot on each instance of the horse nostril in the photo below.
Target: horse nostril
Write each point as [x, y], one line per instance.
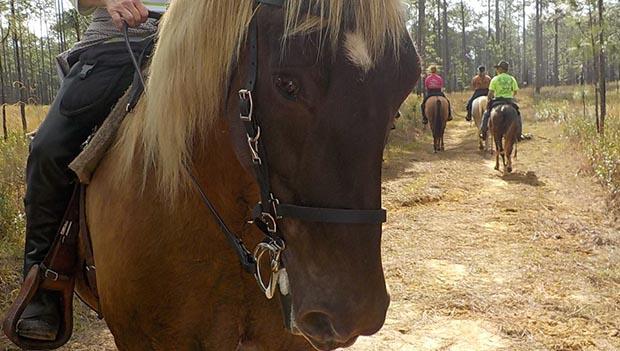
[317, 325]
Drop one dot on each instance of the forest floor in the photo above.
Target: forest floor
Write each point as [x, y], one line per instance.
[477, 260]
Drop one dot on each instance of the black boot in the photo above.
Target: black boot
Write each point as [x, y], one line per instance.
[468, 117]
[41, 318]
[424, 120]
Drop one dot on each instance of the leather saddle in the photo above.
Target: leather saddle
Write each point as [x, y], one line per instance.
[68, 266]
[499, 103]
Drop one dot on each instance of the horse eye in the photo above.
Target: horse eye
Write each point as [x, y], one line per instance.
[287, 87]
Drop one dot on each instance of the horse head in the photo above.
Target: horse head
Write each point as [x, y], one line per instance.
[324, 112]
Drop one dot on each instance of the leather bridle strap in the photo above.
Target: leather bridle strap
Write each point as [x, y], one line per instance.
[331, 215]
[326, 215]
[269, 209]
[245, 256]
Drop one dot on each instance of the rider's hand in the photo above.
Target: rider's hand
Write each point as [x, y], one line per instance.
[131, 11]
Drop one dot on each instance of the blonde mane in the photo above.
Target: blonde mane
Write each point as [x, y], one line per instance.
[193, 61]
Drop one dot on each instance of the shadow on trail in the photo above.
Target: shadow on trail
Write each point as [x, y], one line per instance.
[527, 178]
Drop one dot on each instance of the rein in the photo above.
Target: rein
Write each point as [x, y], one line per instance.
[269, 210]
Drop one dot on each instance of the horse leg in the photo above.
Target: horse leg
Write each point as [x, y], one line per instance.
[509, 145]
[503, 153]
[497, 150]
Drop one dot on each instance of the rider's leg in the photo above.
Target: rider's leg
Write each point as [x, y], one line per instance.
[49, 185]
[470, 102]
[423, 106]
[519, 127]
[449, 110]
[48, 192]
[484, 128]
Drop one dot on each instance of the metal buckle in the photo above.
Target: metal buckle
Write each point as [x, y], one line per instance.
[270, 222]
[253, 144]
[55, 275]
[274, 205]
[64, 230]
[246, 95]
[274, 248]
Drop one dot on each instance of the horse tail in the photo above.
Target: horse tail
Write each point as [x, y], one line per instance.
[438, 119]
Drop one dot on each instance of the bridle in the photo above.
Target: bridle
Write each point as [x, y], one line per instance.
[269, 209]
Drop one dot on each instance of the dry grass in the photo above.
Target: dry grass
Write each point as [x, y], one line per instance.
[34, 115]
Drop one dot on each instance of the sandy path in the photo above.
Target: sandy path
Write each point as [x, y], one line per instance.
[477, 261]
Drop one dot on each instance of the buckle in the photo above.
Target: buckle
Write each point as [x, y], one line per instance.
[253, 144]
[246, 96]
[274, 205]
[54, 274]
[270, 222]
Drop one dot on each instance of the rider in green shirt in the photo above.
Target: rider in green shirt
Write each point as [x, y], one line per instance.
[502, 90]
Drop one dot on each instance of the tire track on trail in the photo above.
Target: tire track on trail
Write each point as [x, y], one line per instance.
[479, 261]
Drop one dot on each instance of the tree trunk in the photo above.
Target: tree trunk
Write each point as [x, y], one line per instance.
[446, 48]
[602, 75]
[538, 47]
[595, 67]
[18, 63]
[524, 77]
[556, 69]
[464, 44]
[421, 36]
[497, 28]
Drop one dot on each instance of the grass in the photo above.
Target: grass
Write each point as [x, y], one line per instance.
[34, 115]
[565, 107]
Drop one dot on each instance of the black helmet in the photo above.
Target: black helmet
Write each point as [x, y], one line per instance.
[503, 64]
[481, 68]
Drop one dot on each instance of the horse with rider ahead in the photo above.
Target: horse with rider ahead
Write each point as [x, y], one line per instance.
[433, 86]
[480, 84]
[502, 90]
[436, 107]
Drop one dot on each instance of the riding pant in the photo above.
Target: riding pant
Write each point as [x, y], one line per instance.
[98, 78]
[477, 93]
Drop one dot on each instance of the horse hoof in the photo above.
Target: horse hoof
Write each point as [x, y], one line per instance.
[497, 168]
[509, 169]
[481, 148]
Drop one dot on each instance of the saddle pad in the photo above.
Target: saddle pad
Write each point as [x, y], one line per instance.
[85, 164]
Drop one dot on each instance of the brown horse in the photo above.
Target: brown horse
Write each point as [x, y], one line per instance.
[505, 130]
[437, 111]
[330, 78]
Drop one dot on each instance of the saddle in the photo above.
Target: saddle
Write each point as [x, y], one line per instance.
[69, 266]
[501, 102]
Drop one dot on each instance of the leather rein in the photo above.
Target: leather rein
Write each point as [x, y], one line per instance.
[269, 210]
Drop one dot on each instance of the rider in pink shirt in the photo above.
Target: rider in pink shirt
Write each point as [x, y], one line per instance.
[433, 84]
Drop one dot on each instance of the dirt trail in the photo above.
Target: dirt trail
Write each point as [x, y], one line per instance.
[480, 261]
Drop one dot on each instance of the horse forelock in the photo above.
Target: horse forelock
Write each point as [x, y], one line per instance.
[193, 61]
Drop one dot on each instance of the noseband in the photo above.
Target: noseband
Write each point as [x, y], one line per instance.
[270, 210]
